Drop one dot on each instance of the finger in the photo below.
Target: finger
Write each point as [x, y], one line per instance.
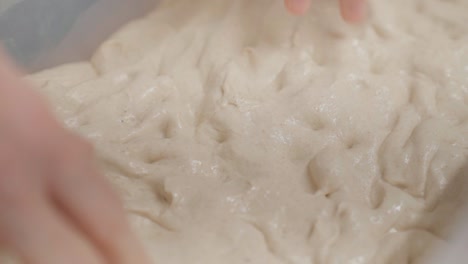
[27, 110]
[353, 11]
[37, 234]
[90, 202]
[298, 7]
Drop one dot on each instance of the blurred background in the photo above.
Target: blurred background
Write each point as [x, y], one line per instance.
[41, 34]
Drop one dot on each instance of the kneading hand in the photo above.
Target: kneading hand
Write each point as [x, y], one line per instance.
[351, 10]
[55, 207]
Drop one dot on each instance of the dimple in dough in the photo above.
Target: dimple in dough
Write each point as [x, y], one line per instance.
[237, 133]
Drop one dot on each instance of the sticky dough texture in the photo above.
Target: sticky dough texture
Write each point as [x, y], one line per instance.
[237, 133]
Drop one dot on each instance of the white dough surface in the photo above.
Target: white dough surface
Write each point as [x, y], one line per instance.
[237, 133]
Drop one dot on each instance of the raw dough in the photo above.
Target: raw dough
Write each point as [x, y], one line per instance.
[237, 133]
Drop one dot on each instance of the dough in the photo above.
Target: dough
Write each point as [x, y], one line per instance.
[237, 133]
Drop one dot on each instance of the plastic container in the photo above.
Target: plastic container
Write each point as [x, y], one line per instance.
[43, 33]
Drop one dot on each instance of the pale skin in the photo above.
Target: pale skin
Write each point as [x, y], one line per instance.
[353, 11]
[55, 206]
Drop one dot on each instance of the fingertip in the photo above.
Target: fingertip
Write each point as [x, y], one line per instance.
[297, 7]
[353, 11]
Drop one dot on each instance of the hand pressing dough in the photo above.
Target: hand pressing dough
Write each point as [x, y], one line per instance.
[237, 133]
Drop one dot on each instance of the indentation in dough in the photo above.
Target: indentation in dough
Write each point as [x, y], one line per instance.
[376, 194]
[344, 218]
[280, 80]
[380, 31]
[323, 176]
[311, 231]
[153, 156]
[351, 142]
[269, 242]
[168, 128]
[214, 130]
[412, 93]
[161, 193]
[154, 219]
[220, 135]
[308, 184]
[398, 160]
[314, 121]
[251, 56]
[336, 35]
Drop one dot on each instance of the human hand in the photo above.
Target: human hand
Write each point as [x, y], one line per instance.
[352, 10]
[55, 207]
